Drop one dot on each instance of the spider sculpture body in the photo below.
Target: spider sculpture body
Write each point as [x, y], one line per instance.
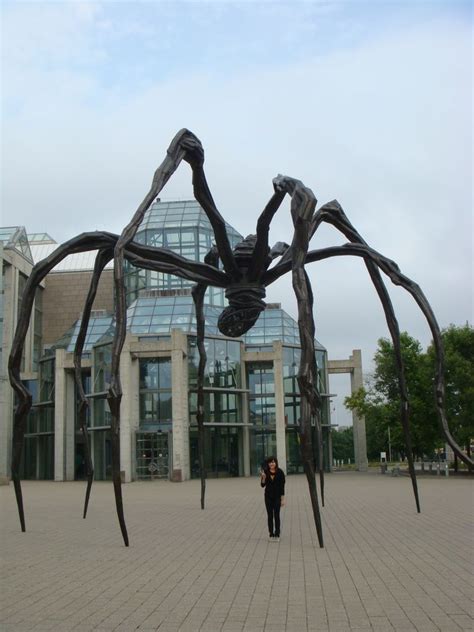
[246, 272]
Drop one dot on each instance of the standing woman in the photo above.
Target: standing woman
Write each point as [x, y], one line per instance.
[273, 480]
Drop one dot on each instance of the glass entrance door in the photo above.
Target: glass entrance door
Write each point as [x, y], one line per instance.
[222, 452]
[153, 455]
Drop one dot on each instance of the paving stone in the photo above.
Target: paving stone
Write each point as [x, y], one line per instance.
[384, 567]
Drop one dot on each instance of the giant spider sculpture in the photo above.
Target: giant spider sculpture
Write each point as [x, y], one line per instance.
[245, 275]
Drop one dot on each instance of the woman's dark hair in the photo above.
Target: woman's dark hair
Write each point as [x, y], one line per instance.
[270, 459]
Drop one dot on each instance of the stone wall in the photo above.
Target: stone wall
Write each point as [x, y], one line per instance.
[64, 299]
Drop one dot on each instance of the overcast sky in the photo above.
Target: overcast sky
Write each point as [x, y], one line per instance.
[366, 102]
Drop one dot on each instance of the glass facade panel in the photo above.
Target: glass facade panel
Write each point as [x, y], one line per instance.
[219, 408]
[102, 358]
[294, 464]
[321, 361]
[261, 384]
[102, 454]
[38, 328]
[223, 452]
[29, 457]
[222, 366]
[46, 379]
[101, 413]
[38, 453]
[262, 445]
[262, 411]
[155, 393]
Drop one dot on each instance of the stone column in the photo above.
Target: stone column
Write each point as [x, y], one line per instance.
[358, 422]
[354, 366]
[130, 393]
[69, 424]
[6, 392]
[179, 384]
[60, 415]
[133, 412]
[279, 403]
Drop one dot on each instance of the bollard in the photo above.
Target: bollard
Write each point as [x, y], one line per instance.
[438, 469]
[446, 469]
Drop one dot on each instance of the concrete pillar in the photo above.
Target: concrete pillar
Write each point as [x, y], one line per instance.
[245, 420]
[279, 403]
[179, 382]
[60, 414]
[354, 366]
[358, 422]
[130, 393]
[6, 392]
[133, 412]
[69, 423]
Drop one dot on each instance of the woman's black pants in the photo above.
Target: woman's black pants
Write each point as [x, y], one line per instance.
[273, 512]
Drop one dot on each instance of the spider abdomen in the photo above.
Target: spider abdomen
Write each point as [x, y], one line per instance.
[245, 306]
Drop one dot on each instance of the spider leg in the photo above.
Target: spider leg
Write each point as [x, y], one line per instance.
[303, 203]
[164, 260]
[391, 269]
[315, 397]
[149, 257]
[103, 257]
[198, 291]
[261, 255]
[333, 213]
[183, 145]
[86, 241]
[195, 157]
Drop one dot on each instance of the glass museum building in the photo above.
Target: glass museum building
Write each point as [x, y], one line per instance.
[251, 391]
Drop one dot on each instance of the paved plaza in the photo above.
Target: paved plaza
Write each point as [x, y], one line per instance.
[384, 567]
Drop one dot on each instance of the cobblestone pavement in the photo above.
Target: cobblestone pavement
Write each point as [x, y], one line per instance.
[384, 567]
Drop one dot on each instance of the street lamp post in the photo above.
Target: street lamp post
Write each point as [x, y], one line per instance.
[389, 446]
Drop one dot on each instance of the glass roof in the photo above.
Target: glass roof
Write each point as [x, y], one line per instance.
[100, 329]
[159, 315]
[7, 232]
[43, 238]
[273, 324]
[15, 238]
[180, 214]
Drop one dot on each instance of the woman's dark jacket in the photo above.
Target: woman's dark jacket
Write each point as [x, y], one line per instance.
[276, 487]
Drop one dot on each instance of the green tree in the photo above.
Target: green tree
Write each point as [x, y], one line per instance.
[369, 404]
[458, 345]
[343, 444]
[380, 403]
[424, 427]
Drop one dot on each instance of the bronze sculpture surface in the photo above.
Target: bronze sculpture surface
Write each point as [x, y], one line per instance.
[246, 272]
